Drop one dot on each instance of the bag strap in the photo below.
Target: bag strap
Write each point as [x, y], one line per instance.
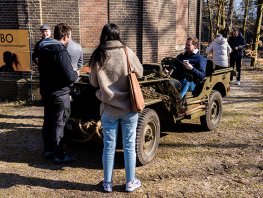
[128, 62]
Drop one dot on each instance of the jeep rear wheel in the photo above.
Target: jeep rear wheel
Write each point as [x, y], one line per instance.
[147, 137]
[213, 112]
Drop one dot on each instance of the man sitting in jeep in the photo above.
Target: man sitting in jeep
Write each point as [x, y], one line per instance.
[194, 64]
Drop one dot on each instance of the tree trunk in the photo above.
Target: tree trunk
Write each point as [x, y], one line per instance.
[257, 32]
[245, 17]
[229, 19]
[223, 15]
[210, 21]
[218, 20]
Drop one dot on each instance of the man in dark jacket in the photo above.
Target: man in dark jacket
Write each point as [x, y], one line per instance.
[56, 78]
[193, 71]
[237, 43]
[45, 34]
[194, 64]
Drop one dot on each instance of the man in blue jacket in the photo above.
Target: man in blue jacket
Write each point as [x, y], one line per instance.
[56, 78]
[237, 43]
[194, 64]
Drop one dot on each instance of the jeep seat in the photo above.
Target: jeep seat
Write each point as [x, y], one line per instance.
[210, 67]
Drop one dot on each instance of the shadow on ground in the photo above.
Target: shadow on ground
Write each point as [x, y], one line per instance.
[10, 179]
[22, 143]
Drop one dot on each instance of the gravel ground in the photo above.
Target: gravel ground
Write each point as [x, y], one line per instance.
[226, 162]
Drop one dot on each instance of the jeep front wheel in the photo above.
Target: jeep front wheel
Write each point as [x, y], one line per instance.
[147, 137]
[213, 112]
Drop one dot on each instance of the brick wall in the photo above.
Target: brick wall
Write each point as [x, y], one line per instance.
[51, 12]
[127, 15]
[192, 17]
[168, 28]
[8, 14]
[93, 16]
[153, 29]
[150, 13]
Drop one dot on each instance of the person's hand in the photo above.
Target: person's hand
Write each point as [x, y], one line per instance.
[78, 72]
[236, 48]
[165, 71]
[188, 66]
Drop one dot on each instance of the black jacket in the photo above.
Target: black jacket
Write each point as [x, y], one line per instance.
[239, 42]
[55, 69]
[36, 52]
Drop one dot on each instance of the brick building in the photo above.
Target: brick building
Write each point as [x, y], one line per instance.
[154, 29]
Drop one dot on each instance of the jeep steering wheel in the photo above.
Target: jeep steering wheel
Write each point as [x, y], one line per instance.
[170, 63]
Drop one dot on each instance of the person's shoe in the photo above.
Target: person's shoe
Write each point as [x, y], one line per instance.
[107, 186]
[132, 185]
[48, 154]
[238, 82]
[65, 159]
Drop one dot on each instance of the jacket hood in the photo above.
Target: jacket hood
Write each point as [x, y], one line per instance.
[51, 44]
[113, 44]
[220, 39]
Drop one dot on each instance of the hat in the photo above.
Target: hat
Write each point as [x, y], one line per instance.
[45, 27]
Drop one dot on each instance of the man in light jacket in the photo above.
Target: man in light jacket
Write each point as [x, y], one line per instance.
[76, 54]
[221, 50]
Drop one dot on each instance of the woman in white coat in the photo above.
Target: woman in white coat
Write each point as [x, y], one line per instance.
[221, 50]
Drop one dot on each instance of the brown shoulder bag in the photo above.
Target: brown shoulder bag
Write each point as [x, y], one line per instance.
[137, 100]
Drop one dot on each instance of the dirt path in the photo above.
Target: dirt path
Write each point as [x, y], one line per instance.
[227, 162]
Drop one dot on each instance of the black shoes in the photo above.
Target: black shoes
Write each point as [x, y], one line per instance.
[48, 155]
[59, 160]
[63, 160]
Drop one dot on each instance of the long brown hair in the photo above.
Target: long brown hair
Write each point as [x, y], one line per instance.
[109, 32]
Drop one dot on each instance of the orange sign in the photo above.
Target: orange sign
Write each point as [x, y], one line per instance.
[14, 50]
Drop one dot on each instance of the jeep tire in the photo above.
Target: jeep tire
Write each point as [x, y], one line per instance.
[147, 136]
[213, 111]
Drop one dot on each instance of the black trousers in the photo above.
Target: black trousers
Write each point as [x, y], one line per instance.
[56, 114]
[236, 60]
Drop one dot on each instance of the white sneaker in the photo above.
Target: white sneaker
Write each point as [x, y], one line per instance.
[238, 82]
[132, 185]
[107, 186]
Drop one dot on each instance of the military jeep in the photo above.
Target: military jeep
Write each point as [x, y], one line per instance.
[160, 97]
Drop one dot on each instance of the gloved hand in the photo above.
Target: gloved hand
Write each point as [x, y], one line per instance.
[188, 66]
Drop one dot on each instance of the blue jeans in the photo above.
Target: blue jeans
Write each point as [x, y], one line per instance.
[110, 131]
[186, 86]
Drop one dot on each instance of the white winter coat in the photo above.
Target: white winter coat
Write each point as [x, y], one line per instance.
[221, 49]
